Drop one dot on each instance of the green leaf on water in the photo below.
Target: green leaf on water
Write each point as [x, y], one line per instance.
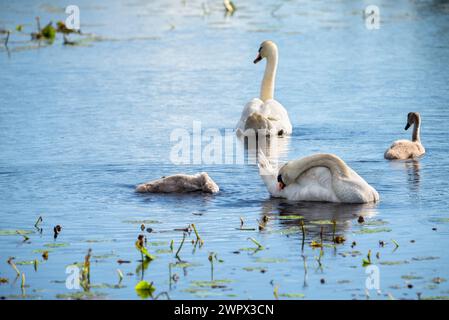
[290, 217]
[10, 232]
[425, 258]
[439, 220]
[271, 260]
[374, 230]
[292, 295]
[211, 284]
[393, 263]
[56, 245]
[23, 263]
[49, 32]
[141, 221]
[144, 289]
[322, 222]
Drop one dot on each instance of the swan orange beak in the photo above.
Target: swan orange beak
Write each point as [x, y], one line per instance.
[258, 58]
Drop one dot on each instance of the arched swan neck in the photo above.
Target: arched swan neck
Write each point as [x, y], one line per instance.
[269, 77]
[292, 170]
[416, 129]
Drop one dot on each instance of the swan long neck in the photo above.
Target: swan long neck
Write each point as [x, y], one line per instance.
[416, 129]
[269, 77]
[292, 170]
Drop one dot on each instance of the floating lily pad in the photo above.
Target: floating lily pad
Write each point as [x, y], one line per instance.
[6, 232]
[435, 298]
[141, 221]
[271, 260]
[42, 250]
[81, 295]
[184, 265]
[163, 251]
[202, 293]
[255, 269]
[290, 217]
[322, 222]
[144, 289]
[375, 223]
[158, 243]
[393, 263]
[211, 284]
[411, 277]
[23, 263]
[425, 258]
[439, 220]
[374, 230]
[292, 295]
[56, 245]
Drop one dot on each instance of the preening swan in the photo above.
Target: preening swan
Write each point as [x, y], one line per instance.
[265, 113]
[180, 183]
[319, 177]
[406, 149]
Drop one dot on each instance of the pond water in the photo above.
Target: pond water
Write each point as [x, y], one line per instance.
[81, 125]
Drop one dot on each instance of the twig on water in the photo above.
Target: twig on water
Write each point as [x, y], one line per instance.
[259, 246]
[180, 246]
[13, 265]
[303, 229]
[198, 238]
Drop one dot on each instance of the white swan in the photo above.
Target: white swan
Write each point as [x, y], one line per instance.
[265, 113]
[180, 183]
[406, 149]
[319, 177]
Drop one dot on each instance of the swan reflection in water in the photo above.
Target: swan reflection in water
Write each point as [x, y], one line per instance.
[273, 147]
[412, 168]
[343, 214]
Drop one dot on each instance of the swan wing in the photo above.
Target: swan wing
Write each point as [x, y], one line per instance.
[314, 184]
[274, 111]
[254, 105]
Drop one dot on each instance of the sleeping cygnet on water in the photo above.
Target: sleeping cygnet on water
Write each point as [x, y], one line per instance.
[180, 183]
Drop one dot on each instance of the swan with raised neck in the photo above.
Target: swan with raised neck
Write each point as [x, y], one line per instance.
[264, 115]
[406, 149]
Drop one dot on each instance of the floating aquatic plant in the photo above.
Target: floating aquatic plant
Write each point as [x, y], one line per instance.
[140, 245]
[180, 246]
[13, 265]
[259, 246]
[198, 238]
[367, 261]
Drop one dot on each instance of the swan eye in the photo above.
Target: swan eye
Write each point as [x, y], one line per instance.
[280, 179]
[260, 49]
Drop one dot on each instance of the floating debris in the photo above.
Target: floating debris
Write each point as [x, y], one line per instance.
[140, 245]
[198, 238]
[438, 280]
[56, 230]
[393, 263]
[374, 230]
[367, 261]
[180, 246]
[259, 246]
[229, 7]
[361, 219]
[13, 265]
[395, 243]
[45, 255]
[25, 237]
[120, 275]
